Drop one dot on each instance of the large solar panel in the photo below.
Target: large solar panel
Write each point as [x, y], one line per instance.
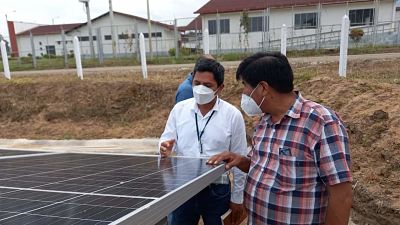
[98, 188]
[5, 152]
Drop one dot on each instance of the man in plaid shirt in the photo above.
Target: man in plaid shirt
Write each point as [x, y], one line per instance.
[299, 170]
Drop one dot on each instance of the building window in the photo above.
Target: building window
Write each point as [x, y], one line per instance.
[224, 26]
[157, 34]
[212, 27]
[360, 17]
[107, 37]
[86, 38]
[126, 36]
[51, 50]
[256, 24]
[305, 21]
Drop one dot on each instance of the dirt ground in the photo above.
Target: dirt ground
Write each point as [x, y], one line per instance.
[120, 104]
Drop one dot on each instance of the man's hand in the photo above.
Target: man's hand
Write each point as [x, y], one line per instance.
[231, 159]
[237, 213]
[166, 148]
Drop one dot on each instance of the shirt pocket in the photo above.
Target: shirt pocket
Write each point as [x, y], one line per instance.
[294, 172]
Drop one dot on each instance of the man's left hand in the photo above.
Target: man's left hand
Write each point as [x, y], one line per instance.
[237, 212]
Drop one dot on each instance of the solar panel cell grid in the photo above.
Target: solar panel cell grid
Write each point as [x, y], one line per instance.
[88, 189]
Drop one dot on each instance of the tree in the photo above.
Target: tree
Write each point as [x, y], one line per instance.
[245, 26]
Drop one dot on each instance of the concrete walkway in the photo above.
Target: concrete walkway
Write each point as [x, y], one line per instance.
[125, 146]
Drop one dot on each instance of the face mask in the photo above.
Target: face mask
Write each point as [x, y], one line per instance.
[249, 106]
[202, 94]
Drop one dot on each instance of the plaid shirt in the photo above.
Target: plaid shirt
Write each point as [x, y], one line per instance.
[292, 162]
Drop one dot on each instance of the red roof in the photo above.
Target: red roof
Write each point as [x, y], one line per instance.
[50, 29]
[225, 6]
[56, 29]
[195, 24]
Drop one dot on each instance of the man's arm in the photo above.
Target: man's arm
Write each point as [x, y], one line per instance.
[340, 201]
[335, 172]
[169, 136]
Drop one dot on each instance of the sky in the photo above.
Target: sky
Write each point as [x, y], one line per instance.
[72, 11]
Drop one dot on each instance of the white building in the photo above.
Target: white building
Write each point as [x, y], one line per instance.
[307, 20]
[48, 38]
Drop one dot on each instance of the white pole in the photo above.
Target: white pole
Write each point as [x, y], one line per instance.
[206, 42]
[143, 56]
[4, 56]
[344, 44]
[77, 54]
[283, 39]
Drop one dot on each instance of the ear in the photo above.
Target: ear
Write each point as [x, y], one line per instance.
[220, 89]
[264, 88]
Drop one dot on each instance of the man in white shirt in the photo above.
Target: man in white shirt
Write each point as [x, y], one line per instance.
[201, 127]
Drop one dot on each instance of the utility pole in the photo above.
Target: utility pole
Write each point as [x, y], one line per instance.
[149, 24]
[114, 43]
[89, 22]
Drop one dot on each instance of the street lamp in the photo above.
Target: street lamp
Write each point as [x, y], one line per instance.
[149, 24]
[53, 18]
[89, 22]
[8, 13]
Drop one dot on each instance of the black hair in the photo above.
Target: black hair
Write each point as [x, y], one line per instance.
[271, 67]
[210, 65]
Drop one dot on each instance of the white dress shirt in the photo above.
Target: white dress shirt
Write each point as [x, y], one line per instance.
[225, 131]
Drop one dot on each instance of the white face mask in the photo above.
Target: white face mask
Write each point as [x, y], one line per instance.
[249, 106]
[203, 94]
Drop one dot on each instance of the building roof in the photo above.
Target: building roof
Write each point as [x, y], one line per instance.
[56, 29]
[50, 29]
[225, 6]
[170, 27]
[195, 24]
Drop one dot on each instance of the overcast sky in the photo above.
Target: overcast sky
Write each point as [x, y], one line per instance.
[72, 11]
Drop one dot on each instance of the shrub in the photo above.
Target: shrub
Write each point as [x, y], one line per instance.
[356, 34]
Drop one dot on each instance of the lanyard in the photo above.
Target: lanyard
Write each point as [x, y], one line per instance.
[200, 134]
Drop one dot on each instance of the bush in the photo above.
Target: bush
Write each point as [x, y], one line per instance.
[182, 51]
[356, 34]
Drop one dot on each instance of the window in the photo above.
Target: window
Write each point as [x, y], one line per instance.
[256, 24]
[212, 27]
[126, 36]
[86, 38]
[51, 50]
[360, 17]
[223, 26]
[157, 34]
[107, 37]
[305, 21]
[123, 36]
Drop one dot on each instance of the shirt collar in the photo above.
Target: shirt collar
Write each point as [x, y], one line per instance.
[196, 109]
[295, 110]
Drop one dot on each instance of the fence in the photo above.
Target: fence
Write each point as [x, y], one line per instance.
[187, 34]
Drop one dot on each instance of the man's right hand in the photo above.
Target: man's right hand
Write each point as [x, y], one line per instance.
[231, 159]
[166, 148]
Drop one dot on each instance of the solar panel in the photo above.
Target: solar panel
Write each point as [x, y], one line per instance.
[4, 152]
[98, 188]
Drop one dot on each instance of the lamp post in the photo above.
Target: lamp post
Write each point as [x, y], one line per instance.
[149, 24]
[114, 43]
[89, 22]
[53, 18]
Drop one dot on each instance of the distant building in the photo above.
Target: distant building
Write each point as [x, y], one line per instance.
[303, 17]
[48, 38]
